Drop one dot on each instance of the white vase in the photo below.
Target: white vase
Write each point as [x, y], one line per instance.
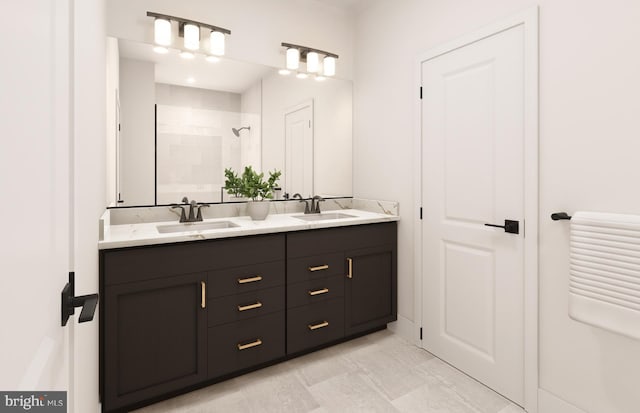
[258, 210]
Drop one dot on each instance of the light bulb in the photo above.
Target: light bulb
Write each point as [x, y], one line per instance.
[293, 59]
[329, 64]
[313, 61]
[191, 36]
[162, 32]
[216, 43]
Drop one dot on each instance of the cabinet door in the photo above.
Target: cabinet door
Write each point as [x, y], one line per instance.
[154, 338]
[370, 289]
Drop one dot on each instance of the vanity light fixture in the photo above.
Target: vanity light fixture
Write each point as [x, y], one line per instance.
[329, 66]
[216, 43]
[189, 30]
[191, 34]
[296, 53]
[162, 31]
[293, 58]
[313, 62]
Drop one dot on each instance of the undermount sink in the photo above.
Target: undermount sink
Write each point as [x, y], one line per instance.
[194, 226]
[323, 216]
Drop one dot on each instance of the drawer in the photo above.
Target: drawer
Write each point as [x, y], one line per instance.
[313, 291]
[239, 280]
[329, 240]
[236, 346]
[315, 324]
[247, 305]
[159, 261]
[314, 267]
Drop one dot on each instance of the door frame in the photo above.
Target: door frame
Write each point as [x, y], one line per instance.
[529, 20]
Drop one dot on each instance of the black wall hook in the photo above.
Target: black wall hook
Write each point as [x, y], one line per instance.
[558, 216]
[70, 302]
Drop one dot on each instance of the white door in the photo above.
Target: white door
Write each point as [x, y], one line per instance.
[472, 175]
[34, 182]
[299, 150]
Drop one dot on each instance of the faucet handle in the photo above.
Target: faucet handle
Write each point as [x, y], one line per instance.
[200, 206]
[183, 216]
[185, 200]
[318, 199]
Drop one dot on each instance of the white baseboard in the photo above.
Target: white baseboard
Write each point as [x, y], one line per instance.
[405, 328]
[549, 403]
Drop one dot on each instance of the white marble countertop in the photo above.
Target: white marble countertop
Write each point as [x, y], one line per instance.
[131, 235]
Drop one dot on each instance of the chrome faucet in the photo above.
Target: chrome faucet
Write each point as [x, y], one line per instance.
[193, 206]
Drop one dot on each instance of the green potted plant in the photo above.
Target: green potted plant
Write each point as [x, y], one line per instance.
[252, 185]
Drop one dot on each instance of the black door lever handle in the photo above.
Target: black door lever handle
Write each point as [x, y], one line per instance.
[510, 226]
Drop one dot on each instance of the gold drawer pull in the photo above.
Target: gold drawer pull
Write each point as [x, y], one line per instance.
[318, 292]
[350, 273]
[249, 280]
[249, 345]
[250, 306]
[203, 291]
[319, 325]
[319, 268]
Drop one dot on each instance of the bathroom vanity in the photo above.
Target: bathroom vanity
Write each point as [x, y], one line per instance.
[180, 315]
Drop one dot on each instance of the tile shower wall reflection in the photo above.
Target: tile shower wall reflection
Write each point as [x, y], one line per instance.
[195, 143]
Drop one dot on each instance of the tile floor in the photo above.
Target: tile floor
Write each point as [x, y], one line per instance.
[380, 372]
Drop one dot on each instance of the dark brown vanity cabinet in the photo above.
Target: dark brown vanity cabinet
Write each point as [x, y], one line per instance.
[340, 282]
[178, 316]
[154, 337]
[246, 315]
[166, 322]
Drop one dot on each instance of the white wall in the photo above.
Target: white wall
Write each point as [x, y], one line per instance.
[112, 90]
[89, 185]
[137, 134]
[332, 134]
[257, 27]
[589, 146]
[251, 115]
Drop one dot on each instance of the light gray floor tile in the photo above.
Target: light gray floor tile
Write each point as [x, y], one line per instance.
[512, 408]
[473, 392]
[350, 393]
[380, 372]
[433, 397]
